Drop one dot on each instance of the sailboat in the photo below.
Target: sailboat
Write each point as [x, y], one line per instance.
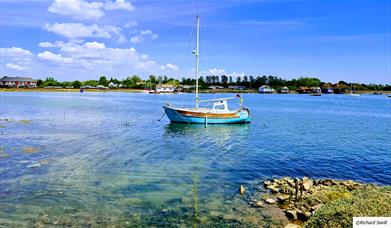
[352, 93]
[219, 113]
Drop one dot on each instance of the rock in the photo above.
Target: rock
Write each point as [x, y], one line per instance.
[292, 225]
[307, 183]
[291, 214]
[258, 204]
[267, 183]
[242, 189]
[274, 189]
[270, 201]
[316, 207]
[303, 216]
[283, 198]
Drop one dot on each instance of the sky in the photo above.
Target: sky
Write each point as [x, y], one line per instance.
[332, 40]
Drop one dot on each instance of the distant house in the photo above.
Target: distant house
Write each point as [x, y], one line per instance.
[18, 82]
[237, 87]
[327, 90]
[316, 90]
[188, 86]
[303, 89]
[113, 85]
[283, 90]
[265, 89]
[216, 87]
[165, 88]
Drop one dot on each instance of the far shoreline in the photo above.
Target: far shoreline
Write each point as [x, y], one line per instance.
[370, 92]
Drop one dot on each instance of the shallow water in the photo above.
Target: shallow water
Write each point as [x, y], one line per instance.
[104, 158]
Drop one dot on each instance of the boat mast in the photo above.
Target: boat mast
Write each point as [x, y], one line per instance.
[196, 55]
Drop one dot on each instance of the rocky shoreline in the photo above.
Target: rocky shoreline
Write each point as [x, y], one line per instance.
[309, 202]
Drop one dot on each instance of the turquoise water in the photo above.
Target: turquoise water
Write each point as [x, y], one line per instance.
[105, 159]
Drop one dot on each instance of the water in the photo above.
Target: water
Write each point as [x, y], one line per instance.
[105, 159]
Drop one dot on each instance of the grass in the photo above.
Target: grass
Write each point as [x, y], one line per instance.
[343, 206]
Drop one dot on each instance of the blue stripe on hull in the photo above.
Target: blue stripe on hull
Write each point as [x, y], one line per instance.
[174, 116]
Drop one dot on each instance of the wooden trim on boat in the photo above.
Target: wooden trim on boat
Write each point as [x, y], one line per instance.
[211, 115]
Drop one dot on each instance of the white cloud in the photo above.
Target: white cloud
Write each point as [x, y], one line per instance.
[15, 52]
[96, 56]
[13, 66]
[46, 44]
[119, 4]
[77, 9]
[131, 24]
[215, 71]
[77, 30]
[50, 56]
[80, 9]
[142, 35]
[170, 66]
[15, 58]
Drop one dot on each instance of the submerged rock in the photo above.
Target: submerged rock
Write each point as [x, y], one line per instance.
[291, 214]
[292, 225]
[242, 189]
[270, 201]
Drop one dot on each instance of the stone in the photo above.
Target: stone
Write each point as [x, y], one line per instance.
[303, 215]
[267, 183]
[316, 207]
[258, 204]
[292, 225]
[291, 214]
[283, 198]
[307, 183]
[270, 201]
[242, 189]
[274, 189]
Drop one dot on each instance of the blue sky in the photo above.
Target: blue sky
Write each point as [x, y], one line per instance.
[78, 39]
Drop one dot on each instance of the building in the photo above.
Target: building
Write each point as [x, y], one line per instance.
[215, 87]
[18, 82]
[283, 90]
[315, 89]
[165, 88]
[303, 89]
[237, 87]
[265, 89]
[327, 90]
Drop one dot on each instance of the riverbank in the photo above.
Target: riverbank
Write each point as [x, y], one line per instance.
[141, 90]
[310, 202]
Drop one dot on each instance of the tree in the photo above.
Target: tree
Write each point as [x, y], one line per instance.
[224, 79]
[103, 81]
[39, 83]
[76, 84]
[152, 79]
[238, 80]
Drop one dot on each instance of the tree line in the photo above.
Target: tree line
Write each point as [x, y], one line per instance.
[249, 82]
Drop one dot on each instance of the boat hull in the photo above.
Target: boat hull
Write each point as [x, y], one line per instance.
[182, 116]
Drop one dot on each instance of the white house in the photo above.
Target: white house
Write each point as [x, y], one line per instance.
[265, 89]
[113, 85]
[284, 90]
[18, 82]
[165, 88]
